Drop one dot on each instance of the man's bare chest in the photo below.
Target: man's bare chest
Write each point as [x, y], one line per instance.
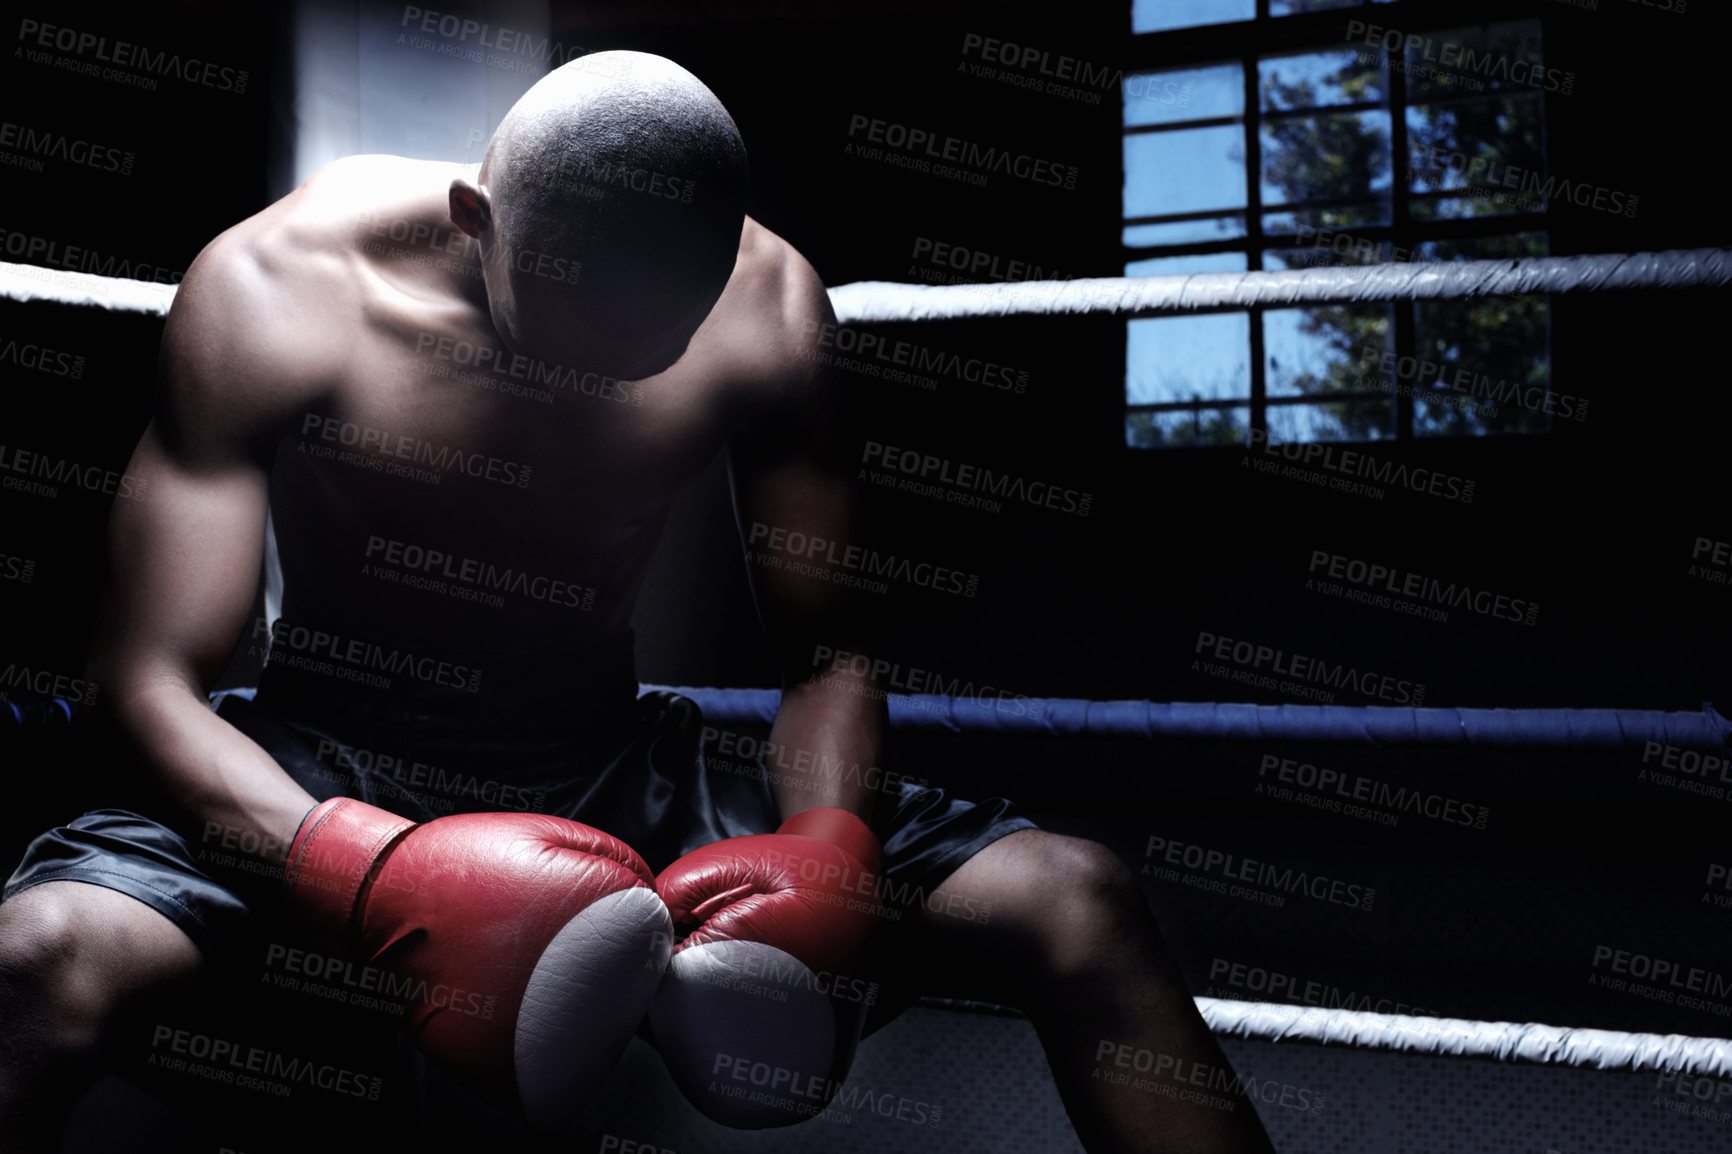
[453, 423]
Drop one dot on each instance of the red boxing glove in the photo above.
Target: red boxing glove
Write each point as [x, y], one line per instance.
[755, 1020]
[528, 947]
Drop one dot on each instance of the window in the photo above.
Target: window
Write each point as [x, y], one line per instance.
[1248, 150]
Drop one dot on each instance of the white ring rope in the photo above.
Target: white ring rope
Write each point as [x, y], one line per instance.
[876, 301]
[29, 282]
[1607, 1050]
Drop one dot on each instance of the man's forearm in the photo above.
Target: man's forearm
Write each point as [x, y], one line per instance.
[238, 798]
[830, 737]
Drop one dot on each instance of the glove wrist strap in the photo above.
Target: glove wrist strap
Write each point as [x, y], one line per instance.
[330, 860]
[840, 828]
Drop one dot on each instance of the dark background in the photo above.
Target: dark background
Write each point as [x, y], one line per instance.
[1595, 520]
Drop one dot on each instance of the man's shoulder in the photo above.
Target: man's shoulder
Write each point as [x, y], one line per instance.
[786, 288]
[256, 325]
[303, 248]
[262, 287]
[777, 316]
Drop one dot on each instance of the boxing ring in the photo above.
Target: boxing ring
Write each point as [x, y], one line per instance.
[1384, 727]
[1673, 1059]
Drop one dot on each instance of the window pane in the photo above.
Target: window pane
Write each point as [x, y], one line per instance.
[1309, 222]
[1495, 144]
[1481, 367]
[1494, 203]
[1495, 58]
[1329, 248]
[1293, 7]
[1514, 245]
[1188, 170]
[1184, 231]
[1201, 262]
[1315, 79]
[1339, 421]
[1177, 95]
[1321, 349]
[1318, 254]
[1228, 425]
[1188, 358]
[1159, 15]
[1325, 157]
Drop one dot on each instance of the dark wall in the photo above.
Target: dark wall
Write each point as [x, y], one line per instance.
[1595, 522]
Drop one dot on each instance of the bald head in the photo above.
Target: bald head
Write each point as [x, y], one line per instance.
[610, 206]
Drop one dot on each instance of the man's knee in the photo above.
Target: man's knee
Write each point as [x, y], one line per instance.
[40, 990]
[70, 953]
[1090, 879]
[1093, 905]
[38, 936]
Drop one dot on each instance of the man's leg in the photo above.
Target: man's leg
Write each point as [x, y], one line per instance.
[72, 957]
[1068, 939]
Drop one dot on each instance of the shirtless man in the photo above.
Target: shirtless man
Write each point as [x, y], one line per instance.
[314, 365]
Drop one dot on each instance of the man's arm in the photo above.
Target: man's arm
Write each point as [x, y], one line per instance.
[185, 559]
[789, 472]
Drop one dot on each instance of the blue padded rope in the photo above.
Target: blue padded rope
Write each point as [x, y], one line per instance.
[1198, 720]
[1352, 725]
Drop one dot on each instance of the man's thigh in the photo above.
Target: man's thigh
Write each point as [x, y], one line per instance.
[272, 1044]
[156, 970]
[964, 932]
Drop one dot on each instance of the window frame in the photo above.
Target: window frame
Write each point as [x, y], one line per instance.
[1247, 43]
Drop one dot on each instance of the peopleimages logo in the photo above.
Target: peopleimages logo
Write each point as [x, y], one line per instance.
[19, 569]
[1527, 182]
[501, 41]
[373, 446]
[76, 258]
[1338, 791]
[466, 578]
[353, 984]
[50, 472]
[974, 265]
[253, 1067]
[852, 565]
[1462, 58]
[42, 359]
[32, 143]
[352, 659]
[1270, 662]
[792, 766]
[433, 786]
[893, 676]
[1430, 595]
[604, 174]
[914, 357]
[1353, 467]
[807, 1093]
[527, 376]
[1662, 980]
[100, 49]
[924, 150]
[16, 678]
[1040, 70]
[926, 474]
[1130, 1060]
[1267, 985]
[1233, 868]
